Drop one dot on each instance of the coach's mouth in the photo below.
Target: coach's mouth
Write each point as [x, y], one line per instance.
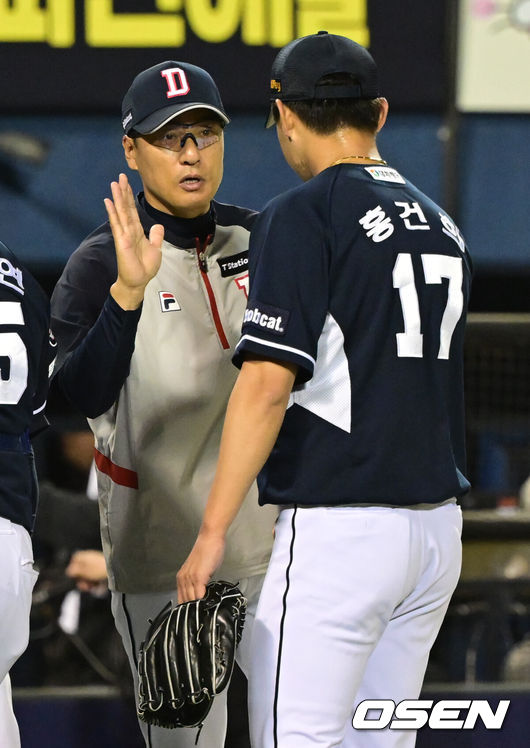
[191, 182]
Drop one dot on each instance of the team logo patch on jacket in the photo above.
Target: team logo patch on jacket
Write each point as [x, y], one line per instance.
[234, 264]
[266, 317]
[168, 302]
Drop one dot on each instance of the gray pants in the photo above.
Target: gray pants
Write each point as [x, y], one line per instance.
[131, 614]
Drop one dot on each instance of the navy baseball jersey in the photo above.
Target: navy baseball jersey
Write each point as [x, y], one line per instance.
[26, 355]
[363, 282]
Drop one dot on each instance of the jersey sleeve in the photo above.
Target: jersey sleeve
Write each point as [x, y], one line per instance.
[81, 291]
[289, 267]
[93, 374]
[95, 336]
[46, 366]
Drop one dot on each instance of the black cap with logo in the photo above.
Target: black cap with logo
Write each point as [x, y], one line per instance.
[165, 90]
[301, 64]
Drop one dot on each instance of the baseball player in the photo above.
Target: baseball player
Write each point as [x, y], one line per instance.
[27, 351]
[149, 309]
[350, 396]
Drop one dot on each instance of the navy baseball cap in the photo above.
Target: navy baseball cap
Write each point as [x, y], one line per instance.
[165, 90]
[301, 64]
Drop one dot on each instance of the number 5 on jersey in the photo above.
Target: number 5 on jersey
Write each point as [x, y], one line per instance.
[435, 268]
[14, 373]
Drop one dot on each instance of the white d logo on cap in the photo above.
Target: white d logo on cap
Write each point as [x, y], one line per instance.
[174, 88]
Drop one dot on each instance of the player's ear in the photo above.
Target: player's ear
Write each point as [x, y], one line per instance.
[286, 118]
[383, 112]
[129, 149]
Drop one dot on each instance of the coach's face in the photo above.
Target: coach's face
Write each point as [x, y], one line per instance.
[180, 182]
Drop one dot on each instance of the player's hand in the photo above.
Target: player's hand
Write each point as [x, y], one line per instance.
[89, 570]
[138, 257]
[195, 573]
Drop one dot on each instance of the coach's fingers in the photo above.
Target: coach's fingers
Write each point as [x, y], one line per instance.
[123, 214]
[113, 218]
[121, 202]
[156, 235]
[128, 193]
[125, 224]
[128, 204]
[115, 213]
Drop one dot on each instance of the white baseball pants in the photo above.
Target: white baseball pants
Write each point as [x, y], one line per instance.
[351, 605]
[132, 613]
[17, 580]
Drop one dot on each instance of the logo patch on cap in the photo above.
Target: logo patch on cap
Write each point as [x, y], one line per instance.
[177, 83]
[276, 85]
[128, 117]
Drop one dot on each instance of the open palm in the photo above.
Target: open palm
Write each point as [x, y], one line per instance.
[138, 257]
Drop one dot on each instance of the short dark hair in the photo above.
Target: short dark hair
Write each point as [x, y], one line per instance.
[324, 116]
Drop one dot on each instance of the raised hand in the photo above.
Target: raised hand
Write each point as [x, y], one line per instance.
[138, 257]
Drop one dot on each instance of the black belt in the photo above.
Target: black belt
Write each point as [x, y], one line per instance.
[15, 443]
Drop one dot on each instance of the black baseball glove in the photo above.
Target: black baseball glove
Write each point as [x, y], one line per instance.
[188, 657]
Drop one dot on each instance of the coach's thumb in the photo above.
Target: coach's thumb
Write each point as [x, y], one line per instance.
[156, 235]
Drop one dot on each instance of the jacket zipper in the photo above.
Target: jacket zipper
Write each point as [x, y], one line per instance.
[201, 256]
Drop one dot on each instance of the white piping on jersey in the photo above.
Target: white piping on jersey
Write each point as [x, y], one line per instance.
[39, 409]
[276, 345]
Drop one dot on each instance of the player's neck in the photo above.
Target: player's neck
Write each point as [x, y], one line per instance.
[343, 146]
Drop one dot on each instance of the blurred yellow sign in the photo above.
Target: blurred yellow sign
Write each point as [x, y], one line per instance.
[259, 22]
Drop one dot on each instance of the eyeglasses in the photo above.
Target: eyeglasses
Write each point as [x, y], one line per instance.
[174, 137]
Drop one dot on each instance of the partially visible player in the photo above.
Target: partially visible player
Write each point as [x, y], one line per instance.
[27, 351]
[351, 394]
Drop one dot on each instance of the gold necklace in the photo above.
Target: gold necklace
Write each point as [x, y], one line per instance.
[368, 158]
